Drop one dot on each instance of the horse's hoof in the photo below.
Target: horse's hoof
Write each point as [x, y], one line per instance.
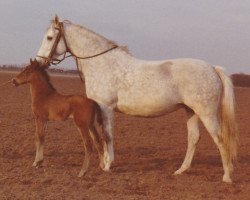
[178, 172]
[106, 162]
[106, 168]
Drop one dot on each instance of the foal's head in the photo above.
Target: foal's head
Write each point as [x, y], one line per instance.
[28, 74]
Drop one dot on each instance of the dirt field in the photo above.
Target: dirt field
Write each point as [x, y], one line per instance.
[147, 152]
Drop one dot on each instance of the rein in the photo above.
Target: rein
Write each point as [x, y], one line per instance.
[50, 60]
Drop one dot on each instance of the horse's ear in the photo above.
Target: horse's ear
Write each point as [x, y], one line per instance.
[56, 19]
[31, 61]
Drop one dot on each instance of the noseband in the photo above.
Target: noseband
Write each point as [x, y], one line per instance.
[49, 59]
[55, 61]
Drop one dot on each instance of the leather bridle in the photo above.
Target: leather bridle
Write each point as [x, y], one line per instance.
[55, 61]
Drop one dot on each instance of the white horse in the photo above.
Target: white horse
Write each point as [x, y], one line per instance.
[118, 81]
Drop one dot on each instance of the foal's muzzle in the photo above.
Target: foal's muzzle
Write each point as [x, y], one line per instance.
[14, 82]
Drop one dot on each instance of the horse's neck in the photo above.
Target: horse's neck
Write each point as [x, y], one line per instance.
[40, 88]
[83, 42]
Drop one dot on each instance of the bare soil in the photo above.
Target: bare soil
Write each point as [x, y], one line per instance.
[147, 152]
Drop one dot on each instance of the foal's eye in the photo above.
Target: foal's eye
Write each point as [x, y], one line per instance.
[27, 71]
[49, 38]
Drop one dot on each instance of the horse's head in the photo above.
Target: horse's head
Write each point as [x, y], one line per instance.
[26, 75]
[53, 44]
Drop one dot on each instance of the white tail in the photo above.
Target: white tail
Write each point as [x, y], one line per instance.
[229, 130]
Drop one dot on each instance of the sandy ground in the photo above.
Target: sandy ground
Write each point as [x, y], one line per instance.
[147, 152]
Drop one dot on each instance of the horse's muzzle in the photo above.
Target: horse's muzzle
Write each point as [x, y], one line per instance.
[43, 61]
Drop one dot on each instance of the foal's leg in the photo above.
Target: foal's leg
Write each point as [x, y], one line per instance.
[107, 114]
[211, 123]
[87, 146]
[39, 141]
[99, 145]
[193, 138]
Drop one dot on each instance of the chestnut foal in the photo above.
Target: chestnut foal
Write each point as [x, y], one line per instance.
[48, 104]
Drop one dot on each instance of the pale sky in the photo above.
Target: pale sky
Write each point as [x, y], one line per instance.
[217, 31]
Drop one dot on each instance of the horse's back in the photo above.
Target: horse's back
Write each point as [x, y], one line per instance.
[198, 83]
[156, 88]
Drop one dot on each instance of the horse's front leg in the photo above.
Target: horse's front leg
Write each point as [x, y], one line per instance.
[108, 157]
[39, 141]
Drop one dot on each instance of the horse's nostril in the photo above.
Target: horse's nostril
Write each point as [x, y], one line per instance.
[47, 63]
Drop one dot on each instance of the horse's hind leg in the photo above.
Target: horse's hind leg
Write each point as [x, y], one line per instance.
[211, 123]
[193, 138]
[39, 140]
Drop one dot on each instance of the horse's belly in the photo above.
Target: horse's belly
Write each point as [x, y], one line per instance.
[147, 109]
[147, 112]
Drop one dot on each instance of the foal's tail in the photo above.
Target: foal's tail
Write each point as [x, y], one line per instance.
[98, 114]
[228, 130]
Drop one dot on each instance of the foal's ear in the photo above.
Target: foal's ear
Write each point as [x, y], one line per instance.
[56, 19]
[32, 62]
[35, 63]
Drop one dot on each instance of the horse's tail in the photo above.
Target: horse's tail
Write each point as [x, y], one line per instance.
[228, 126]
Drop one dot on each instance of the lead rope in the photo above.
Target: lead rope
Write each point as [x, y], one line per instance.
[79, 72]
[68, 50]
[78, 57]
[82, 58]
[5, 83]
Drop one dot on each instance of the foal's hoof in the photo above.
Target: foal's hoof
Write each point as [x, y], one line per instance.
[227, 179]
[82, 172]
[37, 163]
[101, 165]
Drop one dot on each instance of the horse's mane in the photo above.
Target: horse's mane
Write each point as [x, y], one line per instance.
[110, 42]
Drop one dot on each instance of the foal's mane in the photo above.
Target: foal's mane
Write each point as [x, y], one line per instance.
[46, 76]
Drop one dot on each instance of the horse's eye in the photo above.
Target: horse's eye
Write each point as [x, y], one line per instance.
[49, 38]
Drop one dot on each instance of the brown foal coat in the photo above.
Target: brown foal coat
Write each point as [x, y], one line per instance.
[48, 104]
